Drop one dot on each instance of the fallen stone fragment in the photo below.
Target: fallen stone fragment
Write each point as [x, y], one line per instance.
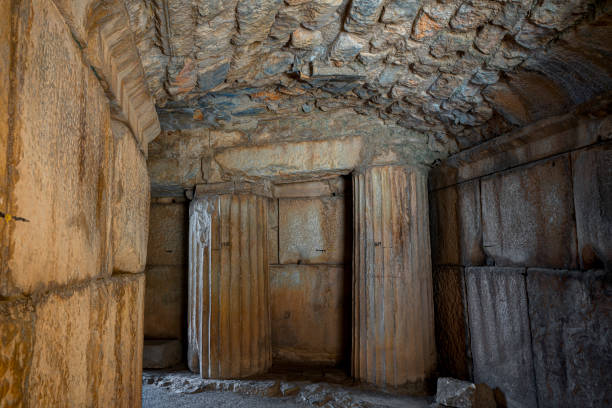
[455, 393]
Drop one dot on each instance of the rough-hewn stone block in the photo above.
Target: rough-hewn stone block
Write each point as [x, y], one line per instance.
[593, 200]
[571, 322]
[131, 200]
[16, 339]
[456, 225]
[165, 302]
[62, 151]
[167, 234]
[452, 332]
[312, 230]
[527, 216]
[308, 309]
[88, 345]
[499, 332]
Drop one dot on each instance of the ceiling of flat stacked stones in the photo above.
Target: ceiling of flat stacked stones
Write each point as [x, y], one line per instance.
[463, 70]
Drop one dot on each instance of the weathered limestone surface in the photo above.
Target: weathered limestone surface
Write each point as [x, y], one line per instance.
[309, 306]
[273, 231]
[75, 346]
[61, 147]
[16, 341]
[312, 230]
[131, 201]
[167, 234]
[571, 318]
[592, 182]
[528, 216]
[228, 313]
[286, 148]
[456, 225]
[393, 316]
[165, 302]
[307, 158]
[499, 332]
[452, 329]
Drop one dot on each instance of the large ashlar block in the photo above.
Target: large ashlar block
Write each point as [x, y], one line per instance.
[16, 339]
[593, 199]
[228, 312]
[167, 233]
[499, 332]
[131, 200]
[456, 225]
[452, 332]
[61, 160]
[393, 316]
[571, 321]
[78, 346]
[299, 158]
[527, 216]
[308, 310]
[165, 302]
[312, 230]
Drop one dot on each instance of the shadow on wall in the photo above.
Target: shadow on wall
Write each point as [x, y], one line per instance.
[522, 248]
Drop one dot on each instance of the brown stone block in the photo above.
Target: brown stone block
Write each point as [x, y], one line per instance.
[5, 67]
[165, 302]
[167, 234]
[131, 201]
[308, 311]
[456, 225]
[452, 332]
[312, 230]
[592, 170]
[61, 160]
[16, 339]
[88, 345]
[527, 216]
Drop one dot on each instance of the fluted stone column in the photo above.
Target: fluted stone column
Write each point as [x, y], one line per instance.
[229, 318]
[393, 318]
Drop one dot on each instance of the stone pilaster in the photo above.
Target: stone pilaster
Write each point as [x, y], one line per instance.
[393, 318]
[229, 318]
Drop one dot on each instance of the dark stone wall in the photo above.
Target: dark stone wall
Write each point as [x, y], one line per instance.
[521, 231]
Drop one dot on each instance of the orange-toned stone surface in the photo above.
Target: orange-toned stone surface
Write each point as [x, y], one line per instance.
[78, 346]
[228, 311]
[131, 201]
[61, 160]
[310, 307]
[393, 316]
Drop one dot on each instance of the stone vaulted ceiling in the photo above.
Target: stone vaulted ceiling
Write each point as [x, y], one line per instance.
[463, 71]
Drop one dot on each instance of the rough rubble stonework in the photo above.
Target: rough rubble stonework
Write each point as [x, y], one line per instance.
[462, 71]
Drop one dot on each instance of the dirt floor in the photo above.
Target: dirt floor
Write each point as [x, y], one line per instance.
[281, 388]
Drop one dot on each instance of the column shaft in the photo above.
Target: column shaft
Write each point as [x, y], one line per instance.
[393, 320]
[229, 318]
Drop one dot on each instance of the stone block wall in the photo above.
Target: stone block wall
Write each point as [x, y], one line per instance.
[309, 230]
[166, 296]
[74, 206]
[521, 231]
